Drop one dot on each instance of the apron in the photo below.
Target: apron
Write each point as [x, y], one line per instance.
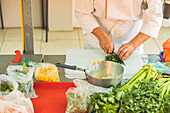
[120, 31]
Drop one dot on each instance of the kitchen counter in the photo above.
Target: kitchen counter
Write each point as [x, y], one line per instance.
[6, 60]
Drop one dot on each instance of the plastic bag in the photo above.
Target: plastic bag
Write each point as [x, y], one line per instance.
[25, 81]
[77, 98]
[46, 72]
[166, 47]
[7, 85]
[161, 67]
[15, 103]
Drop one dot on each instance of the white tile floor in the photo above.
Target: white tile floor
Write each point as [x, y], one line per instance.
[59, 42]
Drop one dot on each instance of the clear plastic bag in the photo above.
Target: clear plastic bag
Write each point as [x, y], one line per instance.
[7, 85]
[25, 81]
[46, 72]
[77, 98]
[15, 103]
[161, 67]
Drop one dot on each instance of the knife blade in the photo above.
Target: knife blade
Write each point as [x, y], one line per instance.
[117, 57]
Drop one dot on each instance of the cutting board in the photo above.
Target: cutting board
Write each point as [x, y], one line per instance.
[84, 57]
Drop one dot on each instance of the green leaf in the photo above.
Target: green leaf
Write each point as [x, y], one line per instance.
[26, 60]
[20, 63]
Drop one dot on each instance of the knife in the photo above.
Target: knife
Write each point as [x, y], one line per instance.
[117, 58]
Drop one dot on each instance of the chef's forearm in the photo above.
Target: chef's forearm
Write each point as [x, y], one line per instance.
[139, 39]
[99, 33]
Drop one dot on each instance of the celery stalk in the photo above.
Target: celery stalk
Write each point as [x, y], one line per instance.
[141, 77]
[167, 92]
[136, 76]
[164, 89]
[149, 73]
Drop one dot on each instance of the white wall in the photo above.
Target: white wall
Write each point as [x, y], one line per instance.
[11, 13]
[60, 15]
[37, 13]
[75, 23]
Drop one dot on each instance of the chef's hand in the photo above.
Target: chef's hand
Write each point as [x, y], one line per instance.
[125, 51]
[106, 44]
[105, 41]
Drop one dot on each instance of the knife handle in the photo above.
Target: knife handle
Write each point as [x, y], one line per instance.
[66, 66]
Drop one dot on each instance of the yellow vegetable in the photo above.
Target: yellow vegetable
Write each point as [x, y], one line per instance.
[93, 63]
[97, 76]
[99, 62]
[47, 73]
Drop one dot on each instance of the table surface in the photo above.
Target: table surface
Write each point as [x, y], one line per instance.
[6, 60]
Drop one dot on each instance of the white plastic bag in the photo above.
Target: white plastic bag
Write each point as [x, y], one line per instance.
[25, 81]
[77, 98]
[46, 72]
[15, 103]
[161, 67]
[6, 81]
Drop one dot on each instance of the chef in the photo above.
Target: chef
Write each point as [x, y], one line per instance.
[120, 25]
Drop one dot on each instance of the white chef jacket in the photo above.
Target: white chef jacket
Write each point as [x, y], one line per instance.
[122, 20]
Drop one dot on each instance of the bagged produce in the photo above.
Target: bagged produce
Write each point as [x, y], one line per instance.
[7, 85]
[46, 72]
[15, 103]
[24, 76]
[161, 67]
[77, 98]
[166, 47]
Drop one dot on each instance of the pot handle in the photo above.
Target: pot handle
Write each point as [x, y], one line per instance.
[66, 66]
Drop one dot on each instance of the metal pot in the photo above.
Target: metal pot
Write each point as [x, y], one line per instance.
[110, 73]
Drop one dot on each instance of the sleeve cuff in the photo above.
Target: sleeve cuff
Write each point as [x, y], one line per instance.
[90, 30]
[150, 30]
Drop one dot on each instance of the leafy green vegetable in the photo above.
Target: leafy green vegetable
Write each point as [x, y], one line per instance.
[112, 58]
[145, 98]
[141, 94]
[105, 103]
[26, 60]
[168, 64]
[146, 73]
[6, 87]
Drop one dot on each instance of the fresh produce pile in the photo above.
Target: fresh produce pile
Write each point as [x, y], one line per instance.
[145, 98]
[145, 92]
[6, 87]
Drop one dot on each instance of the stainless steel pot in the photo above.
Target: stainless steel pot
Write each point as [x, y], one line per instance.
[101, 73]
